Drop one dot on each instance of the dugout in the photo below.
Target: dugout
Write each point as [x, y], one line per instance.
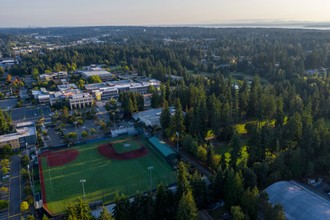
[167, 152]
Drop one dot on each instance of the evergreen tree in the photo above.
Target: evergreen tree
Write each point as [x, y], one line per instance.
[177, 121]
[199, 190]
[237, 213]
[233, 187]
[182, 179]
[165, 116]
[122, 210]
[249, 202]
[79, 211]
[161, 203]
[187, 207]
[217, 188]
[105, 214]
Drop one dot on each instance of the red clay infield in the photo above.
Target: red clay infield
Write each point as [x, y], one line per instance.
[60, 158]
[108, 151]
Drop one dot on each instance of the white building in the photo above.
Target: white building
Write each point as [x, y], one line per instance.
[41, 95]
[108, 93]
[79, 101]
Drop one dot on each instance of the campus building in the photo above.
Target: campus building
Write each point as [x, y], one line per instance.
[95, 70]
[25, 135]
[101, 91]
[111, 89]
[79, 101]
[52, 76]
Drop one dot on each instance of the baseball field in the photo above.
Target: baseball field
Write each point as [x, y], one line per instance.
[101, 169]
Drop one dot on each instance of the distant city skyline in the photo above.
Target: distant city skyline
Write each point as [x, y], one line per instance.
[19, 13]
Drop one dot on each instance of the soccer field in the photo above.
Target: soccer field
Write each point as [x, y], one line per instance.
[104, 177]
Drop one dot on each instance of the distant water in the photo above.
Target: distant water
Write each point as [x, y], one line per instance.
[306, 27]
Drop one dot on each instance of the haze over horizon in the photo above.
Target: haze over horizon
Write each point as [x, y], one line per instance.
[17, 13]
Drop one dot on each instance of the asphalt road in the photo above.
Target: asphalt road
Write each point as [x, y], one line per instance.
[14, 188]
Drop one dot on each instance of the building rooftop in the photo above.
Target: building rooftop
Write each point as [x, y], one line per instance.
[78, 96]
[95, 86]
[162, 146]
[97, 72]
[7, 104]
[298, 202]
[22, 132]
[67, 87]
[25, 124]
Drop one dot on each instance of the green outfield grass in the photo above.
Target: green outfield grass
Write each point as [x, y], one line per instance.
[104, 177]
[125, 146]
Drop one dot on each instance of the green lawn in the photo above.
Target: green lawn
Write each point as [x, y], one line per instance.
[222, 149]
[125, 146]
[104, 177]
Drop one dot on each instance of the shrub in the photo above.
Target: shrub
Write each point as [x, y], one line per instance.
[4, 204]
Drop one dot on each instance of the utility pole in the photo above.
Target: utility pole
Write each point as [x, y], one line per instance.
[150, 176]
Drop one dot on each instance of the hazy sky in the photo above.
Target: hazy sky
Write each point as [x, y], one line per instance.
[22, 13]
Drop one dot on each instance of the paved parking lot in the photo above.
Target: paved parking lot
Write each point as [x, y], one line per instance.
[32, 113]
[8, 104]
[54, 139]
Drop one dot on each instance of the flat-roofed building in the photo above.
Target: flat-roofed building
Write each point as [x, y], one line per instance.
[108, 93]
[23, 137]
[139, 87]
[103, 74]
[79, 101]
[94, 86]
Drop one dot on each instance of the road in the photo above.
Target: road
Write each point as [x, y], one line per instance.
[15, 188]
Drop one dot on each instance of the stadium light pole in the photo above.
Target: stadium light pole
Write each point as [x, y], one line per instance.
[150, 169]
[82, 181]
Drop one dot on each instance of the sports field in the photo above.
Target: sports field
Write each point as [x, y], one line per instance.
[104, 177]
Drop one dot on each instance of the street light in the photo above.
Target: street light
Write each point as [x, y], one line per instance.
[82, 181]
[150, 169]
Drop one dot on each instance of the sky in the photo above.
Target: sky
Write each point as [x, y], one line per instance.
[45, 13]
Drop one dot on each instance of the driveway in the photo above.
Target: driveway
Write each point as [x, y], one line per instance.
[14, 188]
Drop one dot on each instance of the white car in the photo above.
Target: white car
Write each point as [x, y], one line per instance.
[5, 177]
